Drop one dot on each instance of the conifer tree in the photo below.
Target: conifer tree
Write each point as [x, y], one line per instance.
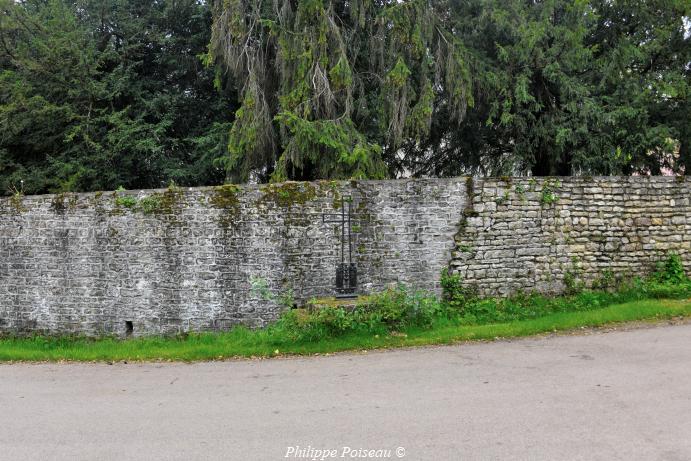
[332, 88]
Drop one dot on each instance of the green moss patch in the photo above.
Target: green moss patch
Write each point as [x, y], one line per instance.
[288, 194]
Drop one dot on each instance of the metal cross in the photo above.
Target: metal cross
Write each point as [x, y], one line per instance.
[346, 273]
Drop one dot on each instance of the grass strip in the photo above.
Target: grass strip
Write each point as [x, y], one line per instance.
[241, 342]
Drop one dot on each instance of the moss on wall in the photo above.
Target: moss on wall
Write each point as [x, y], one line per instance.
[287, 194]
[226, 198]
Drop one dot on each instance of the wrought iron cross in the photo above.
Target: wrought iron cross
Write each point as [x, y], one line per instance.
[346, 272]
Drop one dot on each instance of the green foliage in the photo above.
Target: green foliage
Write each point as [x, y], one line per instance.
[288, 194]
[341, 75]
[122, 200]
[668, 282]
[16, 200]
[97, 93]
[399, 308]
[391, 310]
[454, 293]
[520, 191]
[527, 306]
[402, 309]
[333, 88]
[566, 88]
[606, 280]
[300, 325]
[150, 204]
[502, 198]
[340, 151]
[671, 270]
[272, 342]
[127, 201]
[259, 287]
[156, 203]
[548, 195]
[398, 75]
[571, 282]
[105, 92]
[465, 248]
[225, 197]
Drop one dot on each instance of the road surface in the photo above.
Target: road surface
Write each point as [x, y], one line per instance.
[600, 396]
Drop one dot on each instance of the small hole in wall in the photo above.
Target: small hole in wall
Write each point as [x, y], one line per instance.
[129, 327]
[295, 306]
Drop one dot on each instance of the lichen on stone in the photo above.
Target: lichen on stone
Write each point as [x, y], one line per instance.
[331, 188]
[226, 198]
[169, 201]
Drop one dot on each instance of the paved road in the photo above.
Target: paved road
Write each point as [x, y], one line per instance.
[618, 395]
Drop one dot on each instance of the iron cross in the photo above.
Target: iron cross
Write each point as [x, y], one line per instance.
[346, 273]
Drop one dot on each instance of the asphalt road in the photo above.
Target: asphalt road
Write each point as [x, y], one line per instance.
[617, 395]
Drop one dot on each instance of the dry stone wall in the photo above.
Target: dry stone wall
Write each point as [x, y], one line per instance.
[545, 234]
[175, 260]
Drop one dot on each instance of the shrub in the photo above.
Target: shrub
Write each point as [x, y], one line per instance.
[401, 308]
[605, 281]
[456, 295]
[303, 325]
[671, 270]
[393, 309]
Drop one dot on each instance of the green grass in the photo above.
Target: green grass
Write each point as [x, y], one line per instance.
[242, 342]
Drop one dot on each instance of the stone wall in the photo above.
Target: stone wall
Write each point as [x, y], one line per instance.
[179, 260]
[546, 233]
[182, 259]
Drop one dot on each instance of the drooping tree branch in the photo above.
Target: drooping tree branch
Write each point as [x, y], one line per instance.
[329, 84]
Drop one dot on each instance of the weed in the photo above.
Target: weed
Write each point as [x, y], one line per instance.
[17, 197]
[127, 201]
[671, 270]
[503, 199]
[454, 293]
[150, 204]
[400, 307]
[259, 287]
[571, 282]
[243, 342]
[520, 191]
[548, 195]
[391, 310]
[465, 248]
[605, 281]
[668, 282]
